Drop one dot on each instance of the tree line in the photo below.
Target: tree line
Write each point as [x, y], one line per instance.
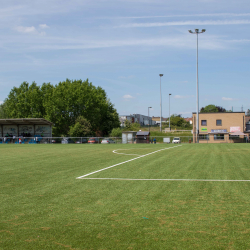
[76, 107]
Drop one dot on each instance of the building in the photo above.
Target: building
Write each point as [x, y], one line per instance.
[227, 127]
[189, 119]
[158, 120]
[247, 123]
[141, 119]
[143, 137]
[27, 127]
[128, 136]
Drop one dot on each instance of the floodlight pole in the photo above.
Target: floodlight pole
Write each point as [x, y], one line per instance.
[148, 119]
[160, 102]
[197, 114]
[169, 112]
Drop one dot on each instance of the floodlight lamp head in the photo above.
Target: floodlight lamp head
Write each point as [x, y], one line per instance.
[149, 107]
[190, 31]
[170, 94]
[203, 30]
[196, 30]
[160, 75]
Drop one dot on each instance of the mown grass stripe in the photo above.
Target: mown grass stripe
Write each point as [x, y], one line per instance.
[128, 179]
[97, 171]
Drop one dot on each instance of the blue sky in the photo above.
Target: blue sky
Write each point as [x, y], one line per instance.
[123, 46]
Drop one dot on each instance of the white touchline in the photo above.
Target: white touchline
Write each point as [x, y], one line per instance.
[80, 177]
[127, 179]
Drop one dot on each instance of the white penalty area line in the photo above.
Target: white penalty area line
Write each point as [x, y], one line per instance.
[126, 179]
[81, 177]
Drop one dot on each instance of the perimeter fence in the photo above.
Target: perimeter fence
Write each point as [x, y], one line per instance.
[115, 140]
[90, 140]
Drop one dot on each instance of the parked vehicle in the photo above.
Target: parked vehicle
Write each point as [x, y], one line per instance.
[83, 140]
[67, 140]
[57, 140]
[93, 140]
[176, 140]
[107, 141]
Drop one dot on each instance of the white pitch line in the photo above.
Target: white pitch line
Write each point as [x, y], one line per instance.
[125, 179]
[114, 151]
[80, 177]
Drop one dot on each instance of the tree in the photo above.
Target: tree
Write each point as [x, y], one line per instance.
[24, 102]
[2, 112]
[72, 99]
[220, 109]
[178, 121]
[62, 104]
[116, 132]
[81, 128]
[212, 109]
[132, 126]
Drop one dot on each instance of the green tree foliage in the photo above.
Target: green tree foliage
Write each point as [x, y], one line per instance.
[24, 102]
[62, 104]
[81, 128]
[129, 126]
[2, 112]
[212, 109]
[178, 121]
[116, 132]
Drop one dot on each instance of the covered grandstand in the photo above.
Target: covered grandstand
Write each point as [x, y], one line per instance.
[25, 127]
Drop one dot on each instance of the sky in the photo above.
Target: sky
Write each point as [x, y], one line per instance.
[123, 46]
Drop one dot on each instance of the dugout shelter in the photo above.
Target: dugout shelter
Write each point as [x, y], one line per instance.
[142, 137]
[26, 127]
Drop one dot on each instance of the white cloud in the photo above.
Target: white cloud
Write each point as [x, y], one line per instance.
[43, 26]
[182, 96]
[1, 102]
[127, 97]
[178, 96]
[227, 99]
[192, 15]
[23, 29]
[31, 30]
[127, 77]
[42, 33]
[180, 42]
[181, 23]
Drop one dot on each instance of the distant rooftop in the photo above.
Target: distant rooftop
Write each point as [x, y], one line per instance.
[25, 121]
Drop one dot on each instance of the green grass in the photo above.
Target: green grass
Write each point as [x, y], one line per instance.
[44, 206]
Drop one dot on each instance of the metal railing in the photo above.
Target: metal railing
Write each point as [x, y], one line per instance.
[114, 140]
[88, 140]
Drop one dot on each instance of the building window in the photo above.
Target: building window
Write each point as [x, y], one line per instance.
[231, 137]
[219, 137]
[203, 137]
[218, 123]
[203, 122]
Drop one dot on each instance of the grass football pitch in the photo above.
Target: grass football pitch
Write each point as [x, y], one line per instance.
[144, 196]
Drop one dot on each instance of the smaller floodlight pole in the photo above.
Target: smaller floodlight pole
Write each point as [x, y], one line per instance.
[197, 114]
[148, 119]
[160, 102]
[169, 111]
